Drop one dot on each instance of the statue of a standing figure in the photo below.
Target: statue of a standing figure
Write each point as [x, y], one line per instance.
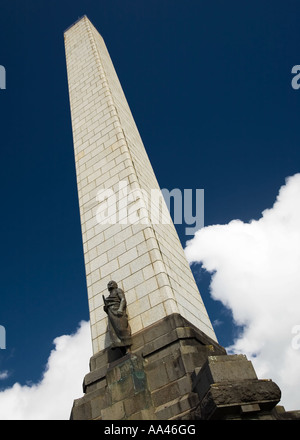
[115, 307]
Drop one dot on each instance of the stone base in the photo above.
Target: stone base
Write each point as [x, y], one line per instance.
[228, 388]
[174, 372]
[153, 381]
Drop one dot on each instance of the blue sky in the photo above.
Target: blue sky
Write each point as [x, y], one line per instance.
[209, 85]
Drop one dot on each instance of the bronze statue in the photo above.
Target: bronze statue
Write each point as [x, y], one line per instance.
[115, 307]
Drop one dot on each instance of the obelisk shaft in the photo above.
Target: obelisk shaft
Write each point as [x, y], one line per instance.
[145, 259]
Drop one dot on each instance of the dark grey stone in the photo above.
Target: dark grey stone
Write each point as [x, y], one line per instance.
[224, 400]
[223, 368]
[174, 371]
[171, 391]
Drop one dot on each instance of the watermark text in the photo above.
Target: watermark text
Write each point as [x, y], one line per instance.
[2, 337]
[296, 338]
[129, 205]
[2, 78]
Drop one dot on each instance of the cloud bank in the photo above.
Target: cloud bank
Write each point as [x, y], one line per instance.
[255, 271]
[52, 398]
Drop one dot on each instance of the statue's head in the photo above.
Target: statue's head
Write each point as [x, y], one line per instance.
[112, 285]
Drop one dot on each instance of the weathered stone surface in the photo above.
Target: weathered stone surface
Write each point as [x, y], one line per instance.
[92, 377]
[115, 411]
[181, 405]
[89, 406]
[126, 378]
[153, 381]
[281, 414]
[229, 399]
[227, 387]
[104, 358]
[100, 402]
[223, 368]
[179, 375]
[171, 391]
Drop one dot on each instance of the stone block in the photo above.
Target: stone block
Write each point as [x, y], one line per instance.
[171, 391]
[219, 369]
[94, 376]
[144, 414]
[177, 407]
[141, 400]
[103, 359]
[175, 367]
[81, 410]
[153, 315]
[157, 375]
[239, 399]
[114, 412]
[125, 378]
[99, 403]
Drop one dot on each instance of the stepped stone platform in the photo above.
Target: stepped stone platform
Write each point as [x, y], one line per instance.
[175, 372]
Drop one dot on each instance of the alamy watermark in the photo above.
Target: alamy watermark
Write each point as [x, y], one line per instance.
[2, 87]
[2, 337]
[151, 206]
[296, 78]
[2, 78]
[296, 338]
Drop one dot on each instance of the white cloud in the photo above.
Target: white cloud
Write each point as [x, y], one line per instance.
[52, 398]
[256, 273]
[4, 374]
[255, 270]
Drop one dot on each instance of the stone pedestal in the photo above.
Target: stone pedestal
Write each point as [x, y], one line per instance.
[175, 372]
[228, 388]
[153, 381]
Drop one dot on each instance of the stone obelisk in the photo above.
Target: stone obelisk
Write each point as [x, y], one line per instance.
[147, 260]
[134, 243]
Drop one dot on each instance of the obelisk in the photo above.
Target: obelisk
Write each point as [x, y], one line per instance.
[129, 239]
[145, 258]
[161, 362]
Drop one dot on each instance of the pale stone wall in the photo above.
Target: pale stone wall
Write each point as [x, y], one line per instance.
[146, 260]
